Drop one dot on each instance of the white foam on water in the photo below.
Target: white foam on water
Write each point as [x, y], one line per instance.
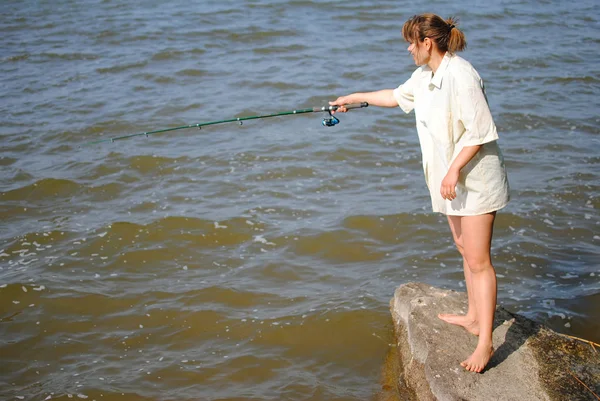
[263, 240]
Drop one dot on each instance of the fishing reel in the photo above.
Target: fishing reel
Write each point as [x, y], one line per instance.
[330, 121]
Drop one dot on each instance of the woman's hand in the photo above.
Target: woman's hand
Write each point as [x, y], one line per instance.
[340, 102]
[448, 188]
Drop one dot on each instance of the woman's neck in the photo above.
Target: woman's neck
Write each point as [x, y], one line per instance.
[435, 60]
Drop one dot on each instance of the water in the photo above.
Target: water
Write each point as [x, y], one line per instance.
[257, 261]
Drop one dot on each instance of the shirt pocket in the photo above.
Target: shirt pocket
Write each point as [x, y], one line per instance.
[483, 170]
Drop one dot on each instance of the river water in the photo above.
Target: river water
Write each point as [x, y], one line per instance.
[256, 262]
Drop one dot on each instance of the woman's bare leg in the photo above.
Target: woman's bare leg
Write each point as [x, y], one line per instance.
[476, 239]
[468, 321]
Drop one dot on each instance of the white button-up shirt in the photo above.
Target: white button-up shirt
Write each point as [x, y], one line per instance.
[452, 112]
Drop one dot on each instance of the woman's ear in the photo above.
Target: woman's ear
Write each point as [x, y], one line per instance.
[428, 43]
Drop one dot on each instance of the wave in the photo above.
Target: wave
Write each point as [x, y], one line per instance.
[119, 68]
[47, 188]
[175, 54]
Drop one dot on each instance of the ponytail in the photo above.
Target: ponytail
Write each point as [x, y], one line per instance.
[455, 41]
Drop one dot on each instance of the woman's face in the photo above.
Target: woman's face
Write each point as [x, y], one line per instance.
[420, 51]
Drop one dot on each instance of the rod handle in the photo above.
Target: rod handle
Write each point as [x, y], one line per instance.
[348, 106]
[354, 106]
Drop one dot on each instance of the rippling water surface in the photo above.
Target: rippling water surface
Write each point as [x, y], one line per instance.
[257, 261]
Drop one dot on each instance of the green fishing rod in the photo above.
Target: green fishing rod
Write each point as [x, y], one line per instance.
[329, 121]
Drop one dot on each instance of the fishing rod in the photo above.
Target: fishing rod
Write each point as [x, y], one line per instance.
[329, 121]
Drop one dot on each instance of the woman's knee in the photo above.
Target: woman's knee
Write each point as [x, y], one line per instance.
[478, 264]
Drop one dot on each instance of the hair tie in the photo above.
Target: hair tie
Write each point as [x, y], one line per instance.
[451, 26]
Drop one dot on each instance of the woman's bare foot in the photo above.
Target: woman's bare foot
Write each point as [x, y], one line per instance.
[471, 325]
[479, 359]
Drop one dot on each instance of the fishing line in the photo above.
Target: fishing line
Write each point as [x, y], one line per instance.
[329, 121]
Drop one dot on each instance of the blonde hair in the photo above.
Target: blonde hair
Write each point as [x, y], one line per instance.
[443, 32]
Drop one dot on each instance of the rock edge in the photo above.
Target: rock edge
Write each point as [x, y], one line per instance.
[530, 362]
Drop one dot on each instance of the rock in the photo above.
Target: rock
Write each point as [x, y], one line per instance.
[530, 362]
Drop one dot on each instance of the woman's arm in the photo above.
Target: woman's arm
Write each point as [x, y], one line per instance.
[448, 188]
[382, 98]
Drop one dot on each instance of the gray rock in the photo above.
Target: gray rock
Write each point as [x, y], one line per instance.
[530, 362]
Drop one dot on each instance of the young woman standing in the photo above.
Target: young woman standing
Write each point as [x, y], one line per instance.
[463, 166]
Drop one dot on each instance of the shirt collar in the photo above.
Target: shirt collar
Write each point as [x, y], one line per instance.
[436, 79]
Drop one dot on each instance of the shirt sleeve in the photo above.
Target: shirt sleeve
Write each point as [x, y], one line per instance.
[405, 94]
[474, 112]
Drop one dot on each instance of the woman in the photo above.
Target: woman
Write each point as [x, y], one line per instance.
[463, 166]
